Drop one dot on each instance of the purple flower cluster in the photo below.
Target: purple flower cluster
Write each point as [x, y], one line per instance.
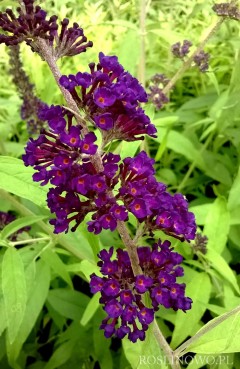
[180, 51]
[149, 201]
[227, 10]
[156, 96]
[62, 156]
[31, 104]
[32, 23]
[110, 97]
[202, 61]
[124, 295]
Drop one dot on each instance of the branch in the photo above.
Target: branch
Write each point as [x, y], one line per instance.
[131, 246]
[188, 62]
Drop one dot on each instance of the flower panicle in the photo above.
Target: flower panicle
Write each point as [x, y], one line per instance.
[123, 294]
[111, 97]
[228, 10]
[31, 104]
[181, 50]
[32, 23]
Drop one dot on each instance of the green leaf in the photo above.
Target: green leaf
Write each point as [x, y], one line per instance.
[87, 269]
[61, 355]
[221, 266]
[146, 354]
[53, 260]
[17, 179]
[35, 304]
[14, 291]
[199, 290]
[209, 361]
[224, 337]
[200, 212]
[100, 344]
[80, 241]
[3, 322]
[181, 145]
[127, 54]
[129, 149]
[91, 309]
[17, 224]
[217, 225]
[68, 303]
[168, 121]
[234, 198]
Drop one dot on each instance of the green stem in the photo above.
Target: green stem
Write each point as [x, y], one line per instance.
[187, 64]
[181, 350]
[142, 25]
[31, 240]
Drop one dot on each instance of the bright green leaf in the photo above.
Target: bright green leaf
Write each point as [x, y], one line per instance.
[181, 145]
[90, 310]
[198, 290]
[17, 179]
[146, 354]
[200, 212]
[88, 268]
[35, 304]
[221, 266]
[53, 260]
[3, 322]
[224, 337]
[14, 291]
[217, 225]
[70, 304]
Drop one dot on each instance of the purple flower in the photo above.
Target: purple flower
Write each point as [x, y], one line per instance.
[96, 284]
[123, 294]
[126, 297]
[138, 208]
[146, 315]
[111, 288]
[98, 183]
[104, 121]
[119, 212]
[87, 146]
[103, 96]
[142, 283]
[108, 222]
[83, 79]
[113, 308]
[72, 138]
